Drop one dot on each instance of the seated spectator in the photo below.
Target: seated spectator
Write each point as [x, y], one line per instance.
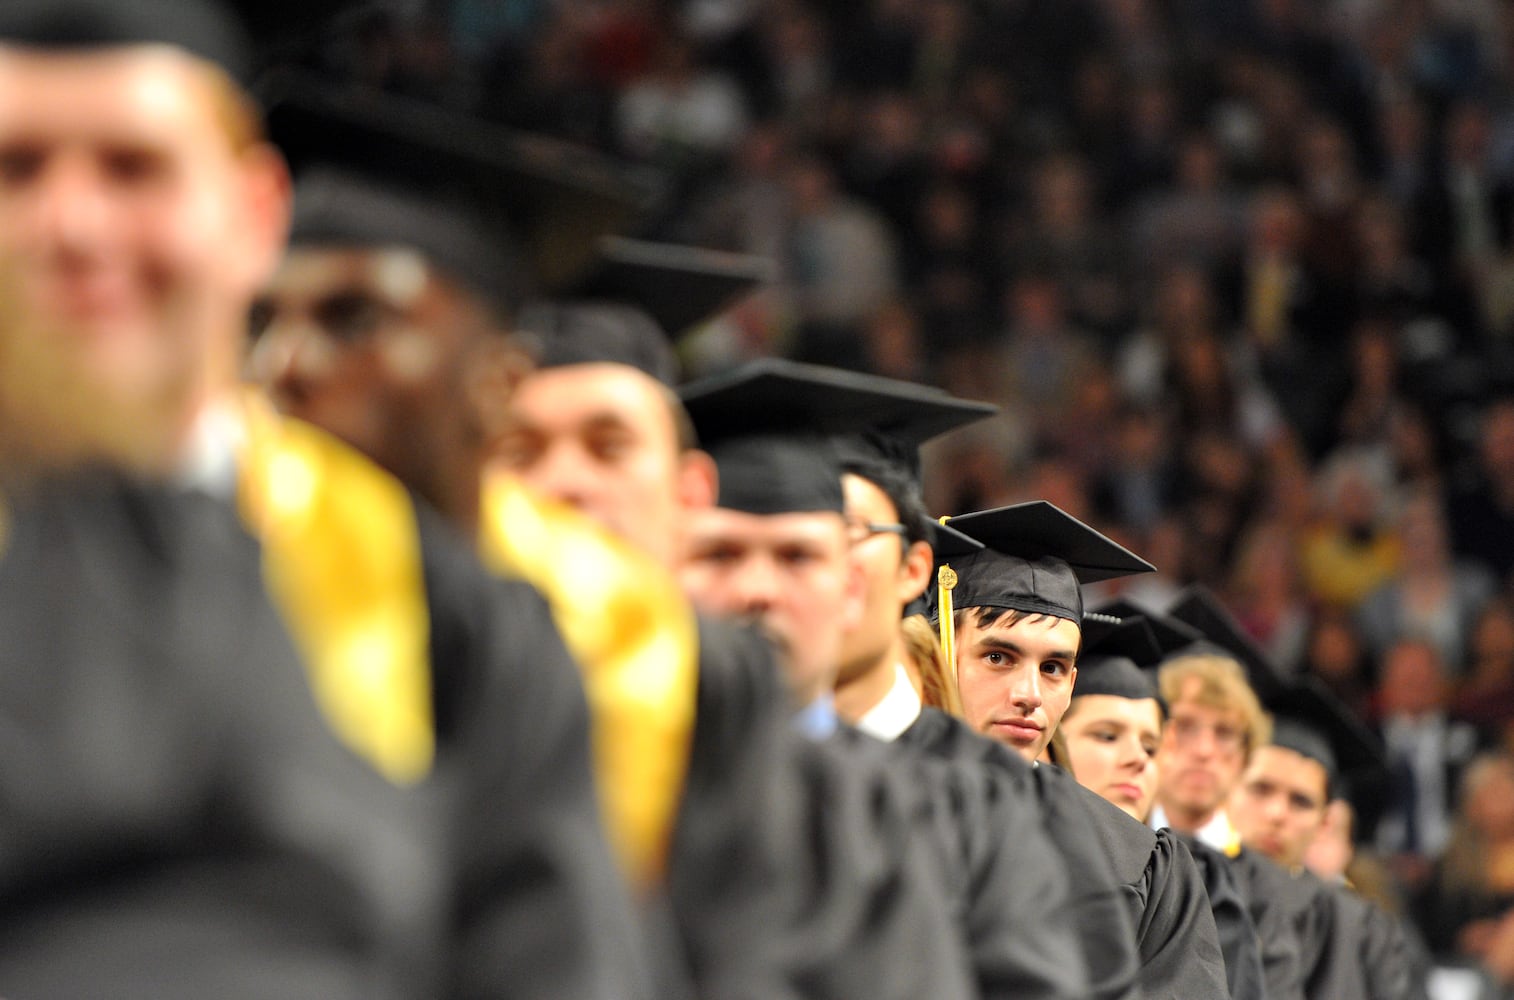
[1427, 752]
[1486, 697]
[1472, 889]
[1351, 550]
[1433, 595]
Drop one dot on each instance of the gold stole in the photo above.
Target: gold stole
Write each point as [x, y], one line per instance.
[342, 561]
[634, 636]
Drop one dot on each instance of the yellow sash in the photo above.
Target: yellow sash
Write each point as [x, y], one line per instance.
[627, 624]
[341, 556]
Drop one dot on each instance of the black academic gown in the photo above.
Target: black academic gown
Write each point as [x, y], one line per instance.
[1007, 881]
[869, 913]
[539, 909]
[1098, 909]
[1360, 951]
[175, 819]
[797, 867]
[1239, 942]
[1177, 946]
[726, 864]
[1291, 921]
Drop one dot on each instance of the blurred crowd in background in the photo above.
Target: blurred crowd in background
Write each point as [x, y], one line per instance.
[1240, 272]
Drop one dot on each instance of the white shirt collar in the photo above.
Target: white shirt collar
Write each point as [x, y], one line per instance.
[1217, 833]
[210, 458]
[898, 710]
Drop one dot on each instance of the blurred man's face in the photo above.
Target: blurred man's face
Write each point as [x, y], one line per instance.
[602, 438]
[1112, 746]
[1016, 678]
[893, 575]
[133, 229]
[378, 349]
[1412, 681]
[1279, 806]
[792, 574]
[1202, 754]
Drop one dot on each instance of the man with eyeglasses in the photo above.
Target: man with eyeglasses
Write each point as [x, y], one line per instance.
[1216, 726]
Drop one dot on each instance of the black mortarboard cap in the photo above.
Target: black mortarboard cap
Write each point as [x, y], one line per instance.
[778, 474]
[1114, 658]
[242, 38]
[1036, 559]
[1170, 634]
[579, 332]
[1309, 720]
[634, 302]
[772, 458]
[1199, 607]
[679, 286]
[874, 419]
[203, 28]
[552, 199]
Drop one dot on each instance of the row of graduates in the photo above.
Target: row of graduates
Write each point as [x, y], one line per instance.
[380, 679]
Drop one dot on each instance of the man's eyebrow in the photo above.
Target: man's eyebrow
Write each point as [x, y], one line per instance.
[998, 642]
[991, 641]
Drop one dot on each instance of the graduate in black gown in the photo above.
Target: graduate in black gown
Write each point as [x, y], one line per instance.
[1012, 618]
[1109, 739]
[176, 819]
[869, 913]
[1006, 879]
[1217, 722]
[434, 673]
[1279, 809]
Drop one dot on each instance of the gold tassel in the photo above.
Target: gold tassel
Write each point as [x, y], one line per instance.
[946, 582]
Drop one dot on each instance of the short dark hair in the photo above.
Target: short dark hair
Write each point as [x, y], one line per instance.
[988, 617]
[902, 491]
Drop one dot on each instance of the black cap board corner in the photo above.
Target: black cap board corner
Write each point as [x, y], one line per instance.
[1200, 608]
[635, 301]
[1170, 633]
[243, 38]
[552, 199]
[1036, 558]
[1116, 656]
[1311, 721]
[831, 401]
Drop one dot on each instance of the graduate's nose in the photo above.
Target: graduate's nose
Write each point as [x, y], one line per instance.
[755, 587]
[288, 357]
[1025, 691]
[561, 475]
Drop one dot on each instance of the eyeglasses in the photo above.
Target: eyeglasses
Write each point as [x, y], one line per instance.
[858, 530]
[1188, 731]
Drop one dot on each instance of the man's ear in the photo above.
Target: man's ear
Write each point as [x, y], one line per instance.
[914, 572]
[855, 602]
[267, 206]
[698, 483]
[496, 366]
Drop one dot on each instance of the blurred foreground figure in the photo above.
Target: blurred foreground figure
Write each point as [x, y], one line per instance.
[139, 212]
[176, 819]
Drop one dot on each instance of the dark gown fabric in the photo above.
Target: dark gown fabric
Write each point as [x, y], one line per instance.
[1007, 882]
[726, 864]
[540, 909]
[1239, 942]
[870, 916]
[1097, 904]
[1288, 919]
[798, 868]
[1176, 940]
[176, 819]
